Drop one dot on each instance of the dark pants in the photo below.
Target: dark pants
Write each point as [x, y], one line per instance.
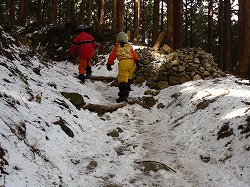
[123, 89]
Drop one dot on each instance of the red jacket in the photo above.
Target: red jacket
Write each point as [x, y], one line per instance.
[83, 45]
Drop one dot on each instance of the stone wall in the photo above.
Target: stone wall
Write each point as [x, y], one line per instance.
[162, 70]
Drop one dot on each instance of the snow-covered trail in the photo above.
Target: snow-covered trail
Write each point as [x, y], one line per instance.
[141, 127]
[168, 137]
[179, 136]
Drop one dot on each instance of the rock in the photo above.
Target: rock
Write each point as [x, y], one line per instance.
[162, 84]
[75, 98]
[181, 68]
[167, 49]
[146, 61]
[191, 69]
[147, 166]
[197, 77]
[149, 101]
[206, 74]
[206, 65]
[185, 79]
[151, 92]
[188, 57]
[168, 65]
[175, 63]
[160, 105]
[173, 81]
[197, 61]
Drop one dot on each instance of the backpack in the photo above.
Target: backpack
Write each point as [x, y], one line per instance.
[124, 52]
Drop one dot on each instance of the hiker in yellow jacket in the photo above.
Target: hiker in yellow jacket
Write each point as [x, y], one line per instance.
[128, 59]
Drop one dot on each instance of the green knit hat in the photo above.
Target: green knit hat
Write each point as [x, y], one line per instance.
[122, 37]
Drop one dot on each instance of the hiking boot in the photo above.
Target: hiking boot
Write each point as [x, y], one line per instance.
[81, 77]
[88, 76]
[122, 99]
[88, 70]
[129, 85]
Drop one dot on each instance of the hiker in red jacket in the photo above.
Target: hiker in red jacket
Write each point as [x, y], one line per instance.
[83, 46]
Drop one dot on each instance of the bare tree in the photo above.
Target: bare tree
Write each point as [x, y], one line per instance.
[69, 11]
[244, 39]
[156, 16]
[162, 15]
[115, 16]
[22, 15]
[53, 11]
[210, 22]
[221, 31]
[136, 18]
[143, 22]
[120, 14]
[101, 12]
[12, 12]
[178, 24]
[89, 11]
[170, 23]
[81, 13]
[227, 65]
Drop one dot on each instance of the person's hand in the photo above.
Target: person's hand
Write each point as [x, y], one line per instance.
[109, 68]
[139, 64]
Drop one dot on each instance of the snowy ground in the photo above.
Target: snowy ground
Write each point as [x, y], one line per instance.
[199, 138]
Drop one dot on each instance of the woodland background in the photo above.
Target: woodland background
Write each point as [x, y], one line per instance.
[220, 27]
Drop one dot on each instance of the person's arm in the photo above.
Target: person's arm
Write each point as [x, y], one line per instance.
[112, 56]
[73, 46]
[135, 55]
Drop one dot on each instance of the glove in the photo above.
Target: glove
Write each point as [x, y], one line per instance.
[139, 64]
[109, 68]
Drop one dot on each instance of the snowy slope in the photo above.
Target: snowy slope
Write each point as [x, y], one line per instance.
[199, 138]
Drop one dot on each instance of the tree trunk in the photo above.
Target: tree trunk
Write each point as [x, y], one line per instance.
[53, 11]
[12, 12]
[136, 19]
[170, 23]
[159, 41]
[244, 39]
[81, 13]
[115, 29]
[178, 24]
[101, 12]
[191, 23]
[143, 36]
[21, 19]
[210, 22]
[227, 37]
[43, 18]
[162, 13]
[89, 9]
[39, 12]
[186, 24]
[1, 12]
[69, 11]
[221, 32]
[155, 31]
[120, 15]
[60, 15]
